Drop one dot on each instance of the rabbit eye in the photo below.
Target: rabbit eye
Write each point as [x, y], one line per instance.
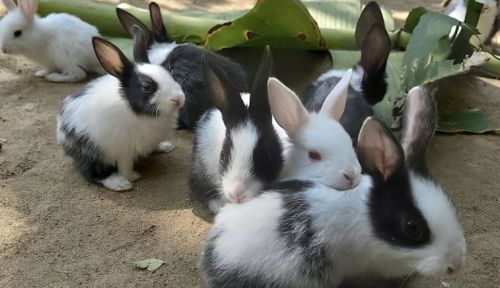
[147, 87]
[18, 33]
[413, 229]
[314, 155]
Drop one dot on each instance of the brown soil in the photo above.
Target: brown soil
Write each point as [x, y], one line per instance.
[56, 230]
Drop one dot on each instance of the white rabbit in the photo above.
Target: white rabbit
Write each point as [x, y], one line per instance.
[317, 147]
[119, 118]
[296, 234]
[60, 43]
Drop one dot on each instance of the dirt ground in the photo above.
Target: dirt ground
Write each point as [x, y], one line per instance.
[56, 230]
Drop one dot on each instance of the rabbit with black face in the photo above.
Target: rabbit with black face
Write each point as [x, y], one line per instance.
[183, 61]
[60, 42]
[237, 151]
[368, 84]
[120, 117]
[396, 222]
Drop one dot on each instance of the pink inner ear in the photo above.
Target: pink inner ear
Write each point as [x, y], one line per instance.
[28, 8]
[9, 4]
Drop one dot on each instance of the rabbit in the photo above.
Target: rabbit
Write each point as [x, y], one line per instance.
[236, 149]
[183, 61]
[368, 83]
[297, 233]
[119, 118]
[316, 146]
[60, 43]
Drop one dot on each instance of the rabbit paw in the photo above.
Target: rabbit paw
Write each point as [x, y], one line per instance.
[165, 147]
[42, 73]
[117, 182]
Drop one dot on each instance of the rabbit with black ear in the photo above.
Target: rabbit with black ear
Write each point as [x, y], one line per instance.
[183, 61]
[317, 146]
[119, 118]
[368, 83]
[60, 42]
[236, 149]
[304, 234]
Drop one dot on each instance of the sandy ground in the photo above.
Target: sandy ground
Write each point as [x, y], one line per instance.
[56, 230]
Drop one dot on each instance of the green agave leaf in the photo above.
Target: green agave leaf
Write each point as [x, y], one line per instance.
[267, 24]
[461, 46]
[474, 121]
[413, 19]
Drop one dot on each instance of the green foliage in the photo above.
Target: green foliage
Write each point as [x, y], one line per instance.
[468, 121]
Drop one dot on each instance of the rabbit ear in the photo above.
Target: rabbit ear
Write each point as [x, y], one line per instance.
[371, 15]
[159, 32]
[379, 152]
[128, 22]
[28, 8]
[286, 107]
[111, 58]
[334, 104]
[259, 108]
[140, 45]
[419, 125]
[225, 93]
[9, 4]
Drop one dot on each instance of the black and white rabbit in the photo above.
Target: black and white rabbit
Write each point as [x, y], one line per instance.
[60, 42]
[236, 148]
[397, 222]
[368, 83]
[183, 61]
[316, 146]
[119, 118]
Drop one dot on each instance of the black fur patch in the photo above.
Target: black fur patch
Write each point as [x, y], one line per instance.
[374, 86]
[225, 154]
[391, 203]
[86, 156]
[184, 64]
[138, 89]
[267, 156]
[296, 228]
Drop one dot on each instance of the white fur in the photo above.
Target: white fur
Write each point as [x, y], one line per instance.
[158, 52]
[104, 115]
[60, 43]
[248, 236]
[356, 79]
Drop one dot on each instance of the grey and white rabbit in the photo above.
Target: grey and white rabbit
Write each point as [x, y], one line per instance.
[60, 42]
[119, 118]
[183, 61]
[236, 149]
[368, 82]
[396, 222]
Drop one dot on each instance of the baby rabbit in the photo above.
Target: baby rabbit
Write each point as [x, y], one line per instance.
[396, 222]
[368, 83]
[183, 61]
[236, 149]
[317, 147]
[60, 42]
[119, 118]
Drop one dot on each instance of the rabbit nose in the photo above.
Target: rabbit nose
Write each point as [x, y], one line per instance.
[238, 193]
[178, 100]
[351, 176]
